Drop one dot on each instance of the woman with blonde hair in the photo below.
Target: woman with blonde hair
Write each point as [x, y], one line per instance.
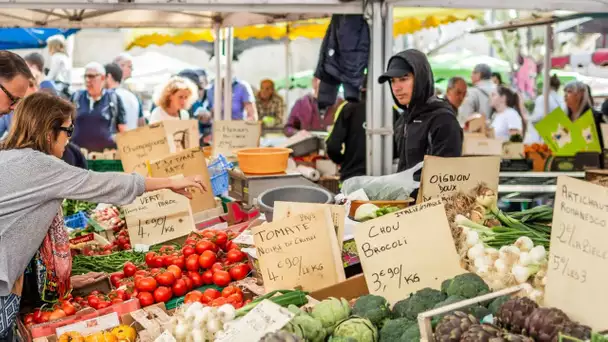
[173, 100]
[35, 181]
[60, 66]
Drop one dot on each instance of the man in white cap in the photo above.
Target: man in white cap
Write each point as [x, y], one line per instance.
[99, 112]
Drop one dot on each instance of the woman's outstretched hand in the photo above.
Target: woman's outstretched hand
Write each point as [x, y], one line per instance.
[182, 185]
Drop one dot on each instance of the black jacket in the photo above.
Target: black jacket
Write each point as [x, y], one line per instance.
[343, 57]
[429, 125]
[348, 130]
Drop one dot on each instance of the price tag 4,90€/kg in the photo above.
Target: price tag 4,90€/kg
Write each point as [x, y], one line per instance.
[408, 250]
[301, 250]
[158, 216]
[578, 260]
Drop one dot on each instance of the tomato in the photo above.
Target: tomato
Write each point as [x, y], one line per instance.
[162, 294]
[37, 315]
[177, 272]
[197, 280]
[165, 279]
[115, 278]
[190, 241]
[204, 245]
[192, 263]
[141, 273]
[221, 278]
[221, 238]
[167, 248]
[29, 319]
[126, 247]
[219, 301]
[212, 293]
[45, 316]
[207, 259]
[150, 259]
[147, 284]
[179, 288]
[231, 245]
[235, 255]
[188, 282]
[104, 304]
[207, 277]
[129, 269]
[228, 290]
[95, 293]
[179, 261]
[239, 271]
[68, 308]
[236, 297]
[154, 271]
[145, 298]
[117, 300]
[93, 301]
[158, 261]
[188, 251]
[167, 260]
[217, 267]
[209, 234]
[57, 314]
[193, 296]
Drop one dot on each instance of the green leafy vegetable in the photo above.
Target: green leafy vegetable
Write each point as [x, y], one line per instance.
[374, 308]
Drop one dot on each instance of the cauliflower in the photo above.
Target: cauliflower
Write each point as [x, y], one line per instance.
[420, 301]
[466, 285]
[374, 308]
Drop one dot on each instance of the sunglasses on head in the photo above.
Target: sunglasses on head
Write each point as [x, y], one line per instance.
[14, 99]
[68, 130]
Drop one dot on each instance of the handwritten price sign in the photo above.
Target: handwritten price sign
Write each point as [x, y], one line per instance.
[157, 217]
[232, 135]
[398, 258]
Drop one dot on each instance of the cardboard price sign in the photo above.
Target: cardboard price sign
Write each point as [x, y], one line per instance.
[183, 133]
[284, 251]
[445, 176]
[406, 251]
[138, 146]
[579, 252]
[266, 317]
[158, 216]
[233, 135]
[338, 213]
[474, 145]
[190, 162]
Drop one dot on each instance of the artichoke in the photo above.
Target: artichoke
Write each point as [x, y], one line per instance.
[480, 333]
[576, 330]
[453, 325]
[544, 324]
[358, 328]
[508, 337]
[281, 336]
[495, 305]
[305, 326]
[331, 311]
[513, 313]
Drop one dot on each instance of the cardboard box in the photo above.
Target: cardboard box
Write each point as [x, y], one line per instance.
[599, 177]
[351, 288]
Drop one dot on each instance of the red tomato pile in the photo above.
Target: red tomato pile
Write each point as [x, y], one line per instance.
[62, 309]
[207, 258]
[212, 297]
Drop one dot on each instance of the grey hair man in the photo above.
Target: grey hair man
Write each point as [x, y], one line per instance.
[478, 96]
[456, 92]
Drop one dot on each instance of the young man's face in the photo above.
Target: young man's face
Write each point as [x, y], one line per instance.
[403, 88]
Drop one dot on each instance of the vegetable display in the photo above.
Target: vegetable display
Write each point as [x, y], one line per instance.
[110, 263]
[71, 207]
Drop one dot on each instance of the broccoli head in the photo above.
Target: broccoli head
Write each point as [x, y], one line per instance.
[411, 334]
[450, 300]
[467, 285]
[374, 308]
[393, 329]
[497, 303]
[420, 301]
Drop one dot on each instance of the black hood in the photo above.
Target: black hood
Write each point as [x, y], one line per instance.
[423, 98]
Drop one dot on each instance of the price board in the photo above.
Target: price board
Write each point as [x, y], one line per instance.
[443, 177]
[408, 250]
[284, 252]
[235, 134]
[138, 146]
[578, 259]
[266, 317]
[158, 216]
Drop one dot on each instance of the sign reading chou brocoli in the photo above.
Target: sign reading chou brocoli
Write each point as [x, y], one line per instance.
[301, 250]
[407, 250]
[579, 252]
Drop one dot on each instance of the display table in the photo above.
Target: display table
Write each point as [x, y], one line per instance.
[532, 182]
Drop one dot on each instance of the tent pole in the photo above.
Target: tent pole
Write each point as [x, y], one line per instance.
[287, 43]
[228, 48]
[547, 66]
[387, 108]
[375, 93]
[217, 94]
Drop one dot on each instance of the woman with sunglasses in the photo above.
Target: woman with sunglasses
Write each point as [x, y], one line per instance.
[34, 183]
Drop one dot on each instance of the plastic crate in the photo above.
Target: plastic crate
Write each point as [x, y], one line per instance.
[218, 170]
[101, 165]
[78, 220]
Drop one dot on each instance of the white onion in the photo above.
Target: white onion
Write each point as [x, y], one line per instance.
[181, 330]
[525, 259]
[538, 254]
[213, 325]
[226, 312]
[524, 243]
[492, 253]
[500, 265]
[198, 335]
[472, 238]
[521, 273]
[475, 251]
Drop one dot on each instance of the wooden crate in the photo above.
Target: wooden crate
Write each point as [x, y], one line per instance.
[424, 319]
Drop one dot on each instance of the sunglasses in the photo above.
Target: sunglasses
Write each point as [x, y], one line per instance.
[14, 99]
[91, 75]
[68, 130]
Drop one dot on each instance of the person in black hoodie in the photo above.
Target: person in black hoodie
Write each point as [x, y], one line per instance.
[349, 130]
[428, 125]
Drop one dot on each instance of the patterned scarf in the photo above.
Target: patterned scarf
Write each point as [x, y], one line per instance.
[54, 262]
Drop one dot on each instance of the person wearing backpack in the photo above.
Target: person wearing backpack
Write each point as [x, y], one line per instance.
[478, 99]
[100, 113]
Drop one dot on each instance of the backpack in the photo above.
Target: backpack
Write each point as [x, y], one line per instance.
[113, 108]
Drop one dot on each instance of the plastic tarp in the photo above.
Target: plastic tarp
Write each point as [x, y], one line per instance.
[407, 20]
[29, 38]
